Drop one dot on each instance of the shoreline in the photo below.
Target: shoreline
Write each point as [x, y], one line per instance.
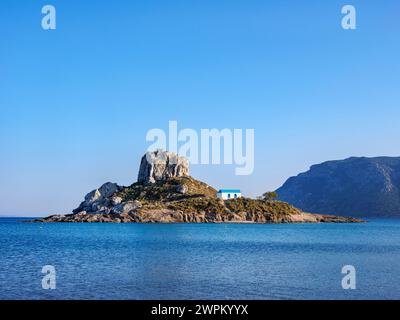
[194, 218]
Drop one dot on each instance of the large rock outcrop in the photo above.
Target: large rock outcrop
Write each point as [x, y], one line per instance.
[363, 187]
[161, 165]
[99, 200]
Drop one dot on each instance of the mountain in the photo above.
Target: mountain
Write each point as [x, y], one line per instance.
[165, 192]
[357, 186]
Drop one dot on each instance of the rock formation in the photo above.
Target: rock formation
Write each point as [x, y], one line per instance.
[161, 165]
[98, 201]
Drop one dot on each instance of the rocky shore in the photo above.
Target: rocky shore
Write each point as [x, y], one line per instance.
[168, 216]
[166, 193]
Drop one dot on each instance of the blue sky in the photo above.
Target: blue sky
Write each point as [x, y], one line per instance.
[76, 103]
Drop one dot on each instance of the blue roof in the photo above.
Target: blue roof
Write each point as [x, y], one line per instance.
[229, 191]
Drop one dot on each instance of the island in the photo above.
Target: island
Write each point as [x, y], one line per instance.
[166, 193]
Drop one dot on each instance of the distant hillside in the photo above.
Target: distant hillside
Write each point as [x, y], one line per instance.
[363, 187]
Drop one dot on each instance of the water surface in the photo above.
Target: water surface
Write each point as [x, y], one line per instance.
[199, 261]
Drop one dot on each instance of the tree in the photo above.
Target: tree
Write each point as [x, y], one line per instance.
[270, 195]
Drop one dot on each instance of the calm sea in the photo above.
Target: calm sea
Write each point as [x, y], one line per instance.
[199, 261]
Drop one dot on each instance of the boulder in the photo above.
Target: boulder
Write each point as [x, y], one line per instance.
[126, 207]
[161, 165]
[97, 200]
[116, 200]
[182, 189]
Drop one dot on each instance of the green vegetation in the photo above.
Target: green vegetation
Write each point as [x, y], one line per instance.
[203, 204]
[270, 196]
[252, 206]
[186, 195]
[168, 190]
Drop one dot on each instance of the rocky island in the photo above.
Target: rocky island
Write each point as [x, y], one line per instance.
[166, 193]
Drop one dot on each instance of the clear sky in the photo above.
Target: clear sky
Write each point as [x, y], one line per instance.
[76, 102]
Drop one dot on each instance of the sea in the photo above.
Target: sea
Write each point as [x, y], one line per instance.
[199, 261]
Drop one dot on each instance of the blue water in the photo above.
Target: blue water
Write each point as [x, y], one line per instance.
[199, 261]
